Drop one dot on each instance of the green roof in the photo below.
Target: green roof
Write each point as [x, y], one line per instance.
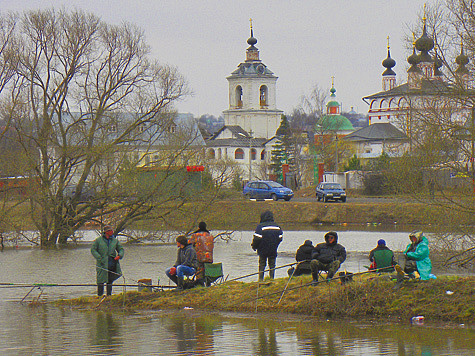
[334, 123]
[333, 103]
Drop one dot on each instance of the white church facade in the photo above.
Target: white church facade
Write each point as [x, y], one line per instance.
[251, 119]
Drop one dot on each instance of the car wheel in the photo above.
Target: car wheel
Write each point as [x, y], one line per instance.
[319, 198]
[343, 200]
[325, 199]
[247, 196]
[274, 197]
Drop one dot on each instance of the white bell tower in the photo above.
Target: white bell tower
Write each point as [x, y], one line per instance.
[252, 95]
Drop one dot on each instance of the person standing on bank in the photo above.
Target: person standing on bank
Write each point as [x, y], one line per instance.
[327, 256]
[266, 240]
[186, 262]
[107, 251]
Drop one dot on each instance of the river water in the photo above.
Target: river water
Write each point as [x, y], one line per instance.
[45, 330]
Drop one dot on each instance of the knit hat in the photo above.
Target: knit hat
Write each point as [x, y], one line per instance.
[182, 240]
[202, 225]
[381, 242]
[107, 228]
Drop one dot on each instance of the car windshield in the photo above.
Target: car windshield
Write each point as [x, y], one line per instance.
[332, 186]
[275, 185]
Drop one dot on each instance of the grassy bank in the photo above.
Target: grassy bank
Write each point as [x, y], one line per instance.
[368, 297]
[243, 214]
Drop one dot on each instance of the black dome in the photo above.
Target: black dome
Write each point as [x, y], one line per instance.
[413, 59]
[252, 40]
[389, 62]
[424, 43]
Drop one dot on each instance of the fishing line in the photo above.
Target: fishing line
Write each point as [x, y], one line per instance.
[313, 283]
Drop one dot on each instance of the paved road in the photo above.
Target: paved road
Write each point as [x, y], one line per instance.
[356, 200]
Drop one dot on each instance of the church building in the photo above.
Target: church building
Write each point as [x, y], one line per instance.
[252, 118]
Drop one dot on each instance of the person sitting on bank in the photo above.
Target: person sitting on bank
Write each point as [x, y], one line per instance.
[186, 262]
[203, 242]
[303, 256]
[417, 258]
[327, 256]
[382, 257]
[107, 251]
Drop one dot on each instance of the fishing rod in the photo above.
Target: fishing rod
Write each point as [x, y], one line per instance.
[267, 270]
[313, 283]
[29, 285]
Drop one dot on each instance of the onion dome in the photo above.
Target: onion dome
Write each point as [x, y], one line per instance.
[252, 53]
[389, 63]
[462, 60]
[413, 60]
[252, 40]
[424, 44]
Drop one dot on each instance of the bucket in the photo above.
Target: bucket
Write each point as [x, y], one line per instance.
[145, 284]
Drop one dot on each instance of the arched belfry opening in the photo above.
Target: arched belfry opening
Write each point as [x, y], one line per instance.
[239, 96]
[263, 94]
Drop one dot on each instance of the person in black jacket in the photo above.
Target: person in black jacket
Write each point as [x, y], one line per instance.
[327, 256]
[303, 255]
[266, 240]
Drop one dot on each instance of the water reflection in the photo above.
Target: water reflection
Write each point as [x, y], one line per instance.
[53, 331]
[107, 332]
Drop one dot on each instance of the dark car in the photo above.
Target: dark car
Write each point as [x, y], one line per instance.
[86, 194]
[264, 189]
[330, 191]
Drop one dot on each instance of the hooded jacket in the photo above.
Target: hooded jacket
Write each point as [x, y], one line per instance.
[186, 256]
[104, 250]
[326, 252]
[304, 252]
[419, 251]
[267, 237]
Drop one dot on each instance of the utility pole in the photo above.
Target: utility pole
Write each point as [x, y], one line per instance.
[250, 154]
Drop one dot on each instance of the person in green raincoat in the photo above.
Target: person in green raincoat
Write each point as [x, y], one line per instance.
[107, 251]
[417, 256]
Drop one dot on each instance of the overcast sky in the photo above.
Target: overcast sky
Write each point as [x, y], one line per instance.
[303, 42]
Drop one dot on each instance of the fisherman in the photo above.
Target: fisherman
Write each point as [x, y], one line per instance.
[327, 256]
[107, 251]
[382, 257]
[266, 240]
[416, 255]
[186, 262]
[303, 256]
[203, 242]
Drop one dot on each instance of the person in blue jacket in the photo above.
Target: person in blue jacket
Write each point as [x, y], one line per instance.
[266, 240]
[417, 256]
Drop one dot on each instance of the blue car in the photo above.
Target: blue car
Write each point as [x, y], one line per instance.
[330, 191]
[264, 189]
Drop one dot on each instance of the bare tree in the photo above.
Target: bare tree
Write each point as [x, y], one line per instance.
[89, 101]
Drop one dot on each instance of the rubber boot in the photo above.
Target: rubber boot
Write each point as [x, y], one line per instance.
[315, 278]
[179, 283]
[109, 289]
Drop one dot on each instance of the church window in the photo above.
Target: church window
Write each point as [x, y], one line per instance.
[253, 154]
[263, 155]
[239, 96]
[239, 154]
[263, 95]
[211, 154]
